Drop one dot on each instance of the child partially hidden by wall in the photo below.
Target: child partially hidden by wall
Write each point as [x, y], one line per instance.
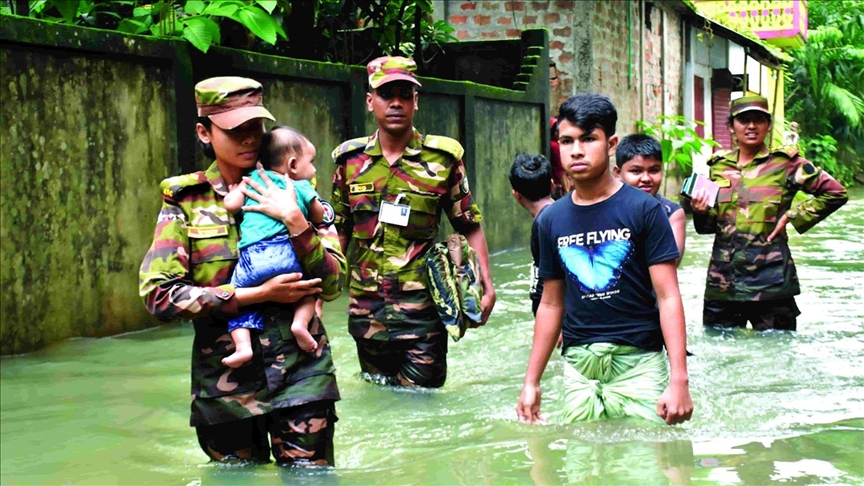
[265, 246]
[638, 161]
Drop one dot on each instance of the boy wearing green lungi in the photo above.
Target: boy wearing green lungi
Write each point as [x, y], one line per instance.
[607, 258]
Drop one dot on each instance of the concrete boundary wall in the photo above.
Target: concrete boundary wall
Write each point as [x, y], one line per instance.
[92, 120]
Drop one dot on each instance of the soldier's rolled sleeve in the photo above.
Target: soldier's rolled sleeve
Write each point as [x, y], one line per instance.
[163, 283]
[319, 255]
[828, 195]
[339, 200]
[462, 210]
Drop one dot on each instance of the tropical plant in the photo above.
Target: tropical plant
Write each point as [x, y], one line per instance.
[350, 31]
[679, 141]
[826, 90]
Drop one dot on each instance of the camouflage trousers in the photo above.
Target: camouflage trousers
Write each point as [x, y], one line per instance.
[408, 362]
[298, 436]
[780, 314]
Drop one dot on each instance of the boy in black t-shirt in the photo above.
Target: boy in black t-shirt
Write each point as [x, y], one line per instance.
[531, 180]
[638, 162]
[606, 250]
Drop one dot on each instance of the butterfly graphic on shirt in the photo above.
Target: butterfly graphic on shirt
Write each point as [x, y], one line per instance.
[598, 268]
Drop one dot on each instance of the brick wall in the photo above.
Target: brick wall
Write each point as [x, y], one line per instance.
[588, 47]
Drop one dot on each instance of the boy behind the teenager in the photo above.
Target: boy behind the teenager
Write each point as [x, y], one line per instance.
[638, 162]
[605, 251]
[531, 180]
[265, 245]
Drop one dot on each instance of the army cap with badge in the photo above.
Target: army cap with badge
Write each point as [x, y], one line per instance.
[230, 101]
[387, 69]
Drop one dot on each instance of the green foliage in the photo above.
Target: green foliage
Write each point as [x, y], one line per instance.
[348, 31]
[822, 151]
[679, 141]
[825, 92]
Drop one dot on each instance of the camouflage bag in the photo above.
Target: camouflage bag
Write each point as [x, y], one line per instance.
[453, 273]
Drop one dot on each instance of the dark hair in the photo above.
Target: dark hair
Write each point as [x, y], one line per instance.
[589, 111]
[637, 144]
[531, 176]
[274, 149]
[206, 148]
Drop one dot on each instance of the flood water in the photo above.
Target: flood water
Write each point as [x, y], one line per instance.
[773, 407]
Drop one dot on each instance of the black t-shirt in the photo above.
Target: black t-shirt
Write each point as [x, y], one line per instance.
[602, 252]
[536, 291]
[668, 205]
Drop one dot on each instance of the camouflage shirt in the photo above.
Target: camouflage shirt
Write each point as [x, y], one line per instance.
[752, 197]
[388, 285]
[185, 274]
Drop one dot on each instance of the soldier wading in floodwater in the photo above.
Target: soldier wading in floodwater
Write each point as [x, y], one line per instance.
[389, 191]
[751, 276]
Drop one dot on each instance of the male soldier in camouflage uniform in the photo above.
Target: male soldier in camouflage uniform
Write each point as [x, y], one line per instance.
[389, 190]
[751, 276]
[282, 391]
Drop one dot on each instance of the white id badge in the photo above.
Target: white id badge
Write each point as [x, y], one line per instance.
[394, 213]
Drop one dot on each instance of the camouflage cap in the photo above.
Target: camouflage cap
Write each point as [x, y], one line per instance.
[391, 68]
[748, 103]
[230, 101]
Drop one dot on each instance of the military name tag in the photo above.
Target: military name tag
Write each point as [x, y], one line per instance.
[199, 232]
[361, 188]
[394, 213]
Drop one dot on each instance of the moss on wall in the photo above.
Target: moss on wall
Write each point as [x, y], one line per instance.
[84, 144]
[503, 129]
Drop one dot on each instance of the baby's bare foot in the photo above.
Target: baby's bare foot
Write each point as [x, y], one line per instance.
[304, 338]
[238, 358]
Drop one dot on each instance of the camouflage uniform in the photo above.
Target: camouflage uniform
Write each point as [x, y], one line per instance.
[283, 390]
[389, 297]
[745, 267]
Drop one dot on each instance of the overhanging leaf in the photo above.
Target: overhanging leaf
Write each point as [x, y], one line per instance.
[194, 6]
[67, 8]
[198, 32]
[258, 22]
[268, 5]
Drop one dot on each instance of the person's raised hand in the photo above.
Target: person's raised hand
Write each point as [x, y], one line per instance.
[528, 407]
[288, 288]
[780, 229]
[699, 201]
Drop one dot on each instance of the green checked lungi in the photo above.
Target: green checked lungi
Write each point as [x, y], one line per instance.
[604, 380]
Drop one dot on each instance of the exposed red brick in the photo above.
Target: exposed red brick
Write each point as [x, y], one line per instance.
[482, 19]
[514, 6]
[539, 6]
[565, 32]
[564, 4]
[565, 57]
[490, 35]
[530, 19]
[552, 17]
[487, 5]
[556, 45]
[462, 34]
[513, 33]
[505, 21]
[469, 6]
[458, 19]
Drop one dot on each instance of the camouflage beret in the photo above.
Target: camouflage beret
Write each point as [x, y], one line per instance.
[749, 103]
[230, 101]
[391, 68]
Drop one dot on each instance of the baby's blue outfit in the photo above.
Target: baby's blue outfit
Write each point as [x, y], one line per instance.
[265, 248]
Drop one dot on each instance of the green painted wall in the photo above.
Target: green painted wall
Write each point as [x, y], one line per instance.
[503, 129]
[85, 142]
[92, 121]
